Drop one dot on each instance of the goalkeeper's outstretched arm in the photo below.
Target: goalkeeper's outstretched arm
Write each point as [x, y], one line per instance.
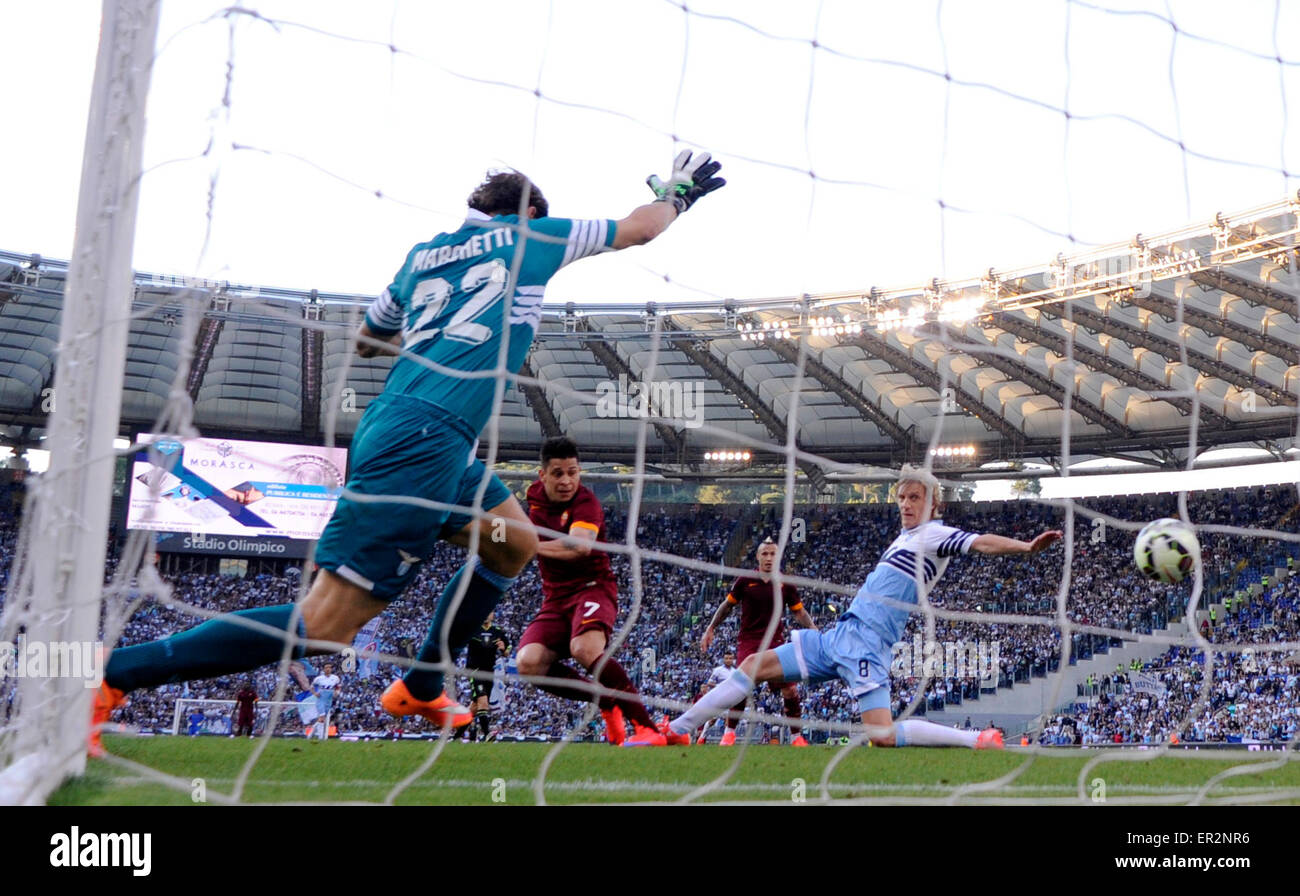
[643, 224]
[694, 175]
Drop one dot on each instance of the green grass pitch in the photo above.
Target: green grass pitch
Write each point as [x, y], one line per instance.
[297, 771]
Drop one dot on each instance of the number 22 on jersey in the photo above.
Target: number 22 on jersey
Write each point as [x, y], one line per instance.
[484, 284]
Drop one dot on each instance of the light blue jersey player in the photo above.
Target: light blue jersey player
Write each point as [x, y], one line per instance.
[454, 301]
[884, 601]
[325, 687]
[857, 650]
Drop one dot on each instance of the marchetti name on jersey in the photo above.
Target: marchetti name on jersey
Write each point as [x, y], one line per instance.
[78, 850]
[479, 244]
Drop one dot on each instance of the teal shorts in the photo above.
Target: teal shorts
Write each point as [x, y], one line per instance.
[496, 494]
[404, 448]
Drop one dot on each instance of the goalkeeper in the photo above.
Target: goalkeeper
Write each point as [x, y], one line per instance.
[452, 304]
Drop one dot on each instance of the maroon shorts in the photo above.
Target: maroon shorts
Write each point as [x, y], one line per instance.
[592, 607]
[750, 646]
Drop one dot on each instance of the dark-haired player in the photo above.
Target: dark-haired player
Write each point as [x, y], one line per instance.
[453, 303]
[481, 653]
[245, 709]
[759, 601]
[580, 597]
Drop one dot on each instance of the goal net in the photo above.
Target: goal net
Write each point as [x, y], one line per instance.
[1092, 213]
[197, 717]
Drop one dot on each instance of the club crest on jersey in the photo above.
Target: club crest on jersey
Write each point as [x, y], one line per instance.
[408, 560]
[564, 519]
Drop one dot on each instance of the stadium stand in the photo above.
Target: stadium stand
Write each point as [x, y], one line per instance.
[1252, 697]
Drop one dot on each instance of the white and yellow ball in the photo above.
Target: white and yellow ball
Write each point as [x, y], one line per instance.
[1166, 550]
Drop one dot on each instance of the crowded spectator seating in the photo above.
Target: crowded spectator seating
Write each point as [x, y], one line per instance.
[1252, 695]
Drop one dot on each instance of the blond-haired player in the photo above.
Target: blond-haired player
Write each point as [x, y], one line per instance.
[857, 650]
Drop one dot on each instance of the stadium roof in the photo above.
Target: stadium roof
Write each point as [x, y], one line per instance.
[1114, 344]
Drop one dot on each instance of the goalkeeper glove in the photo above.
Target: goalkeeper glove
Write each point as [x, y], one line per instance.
[692, 177]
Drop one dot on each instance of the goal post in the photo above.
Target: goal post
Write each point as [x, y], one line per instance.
[225, 710]
[59, 573]
[1096, 356]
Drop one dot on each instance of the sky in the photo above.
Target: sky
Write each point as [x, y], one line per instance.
[852, 159]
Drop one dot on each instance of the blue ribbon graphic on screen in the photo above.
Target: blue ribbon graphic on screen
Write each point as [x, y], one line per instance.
[169, 455]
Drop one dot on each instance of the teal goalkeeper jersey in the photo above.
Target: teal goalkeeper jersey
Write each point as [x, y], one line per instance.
[455, 296]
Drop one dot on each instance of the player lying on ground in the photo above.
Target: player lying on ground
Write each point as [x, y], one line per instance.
[759, 601]
[857, 650]
[454, 301]
[580, 603]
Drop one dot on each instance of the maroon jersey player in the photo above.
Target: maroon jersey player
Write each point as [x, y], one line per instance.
[580, 597]
[245, 705]
[759, 600]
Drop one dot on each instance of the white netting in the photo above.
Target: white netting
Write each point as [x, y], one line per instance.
[862, 145]
[203, 717]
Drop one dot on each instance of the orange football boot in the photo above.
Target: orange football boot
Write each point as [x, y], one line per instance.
[645, 737]
[615, 727]
[674, 739]
[106, 700]
[442, 711]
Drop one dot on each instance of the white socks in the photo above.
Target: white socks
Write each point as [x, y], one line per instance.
[917, 733]
[714, 703]
[910, 733]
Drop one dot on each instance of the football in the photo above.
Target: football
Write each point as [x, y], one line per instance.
[1166, 550]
